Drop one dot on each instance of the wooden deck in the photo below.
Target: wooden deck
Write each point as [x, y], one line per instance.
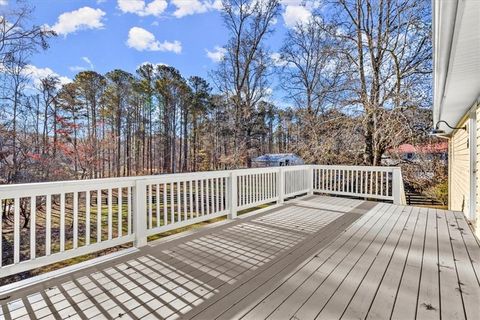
[313, 258]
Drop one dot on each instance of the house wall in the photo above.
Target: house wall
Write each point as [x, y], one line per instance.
[476, 221]
[464, 168]
[459, 170]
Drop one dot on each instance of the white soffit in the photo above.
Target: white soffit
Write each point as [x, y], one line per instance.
[456, 58]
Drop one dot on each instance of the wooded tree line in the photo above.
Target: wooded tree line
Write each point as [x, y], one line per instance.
[356, 78]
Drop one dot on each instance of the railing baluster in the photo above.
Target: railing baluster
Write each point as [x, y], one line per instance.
[165, 203]
[197, 194]
[190, 185]
[387, 178]
[87, 217]
[110, 214]
[48, 225]
[157, 203]
[179, 202]
[99, 215]
[129, 210]
[269, 185]
[242, 190]
[371, 182]
[381, 183]
[217, 194]
[208, 194]
[202, 198]
[75, 220]
[120, 212]
[16, 230]
[185, 208]
[150, 207]
[222, 194]
[62, 222]
[33, 228]
[172, 203]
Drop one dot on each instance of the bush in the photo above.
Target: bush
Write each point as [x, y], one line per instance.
[439, 192]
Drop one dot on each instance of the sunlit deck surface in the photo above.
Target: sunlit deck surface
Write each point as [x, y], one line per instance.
[316, 257]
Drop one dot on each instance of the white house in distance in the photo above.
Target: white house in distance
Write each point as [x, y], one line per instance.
[456, 111]
[277, 160]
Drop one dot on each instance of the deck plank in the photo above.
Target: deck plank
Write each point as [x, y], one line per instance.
[407, 293]
[428, 303]
[286, 264]
[384, 274]
[471, 242]
[374, 259]
[329, 260]
[468, 285]
[451, 304]
[315, 257]
[275, 292]
[328, 287]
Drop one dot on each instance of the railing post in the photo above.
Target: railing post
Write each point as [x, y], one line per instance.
[232, 195]
[139, 213]
[310, 179]
[396, 188]
[281, 185]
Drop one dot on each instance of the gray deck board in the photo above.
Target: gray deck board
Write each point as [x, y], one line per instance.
[302, 274]
[313, 258]
[467, 281]
[360, 300]
[428, 301]
[449, 294]
[381, 305]
[328, 259]
[317, 301]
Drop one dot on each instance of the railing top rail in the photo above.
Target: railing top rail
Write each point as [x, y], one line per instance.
[105, 181]
[353, 167]
[130, 181]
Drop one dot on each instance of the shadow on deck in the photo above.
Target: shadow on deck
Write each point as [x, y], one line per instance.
[316, 257]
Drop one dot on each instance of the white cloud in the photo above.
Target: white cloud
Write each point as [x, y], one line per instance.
[189, 7]
[295, 14]
[277, 59]
[143, 40]
[89, 62]
[141, 8]
[89, 66]
[217, 54]
[3, 2]
[37, 74]
[80, 19]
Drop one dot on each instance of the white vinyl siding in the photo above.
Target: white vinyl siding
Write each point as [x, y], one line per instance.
[459, 171]
[477, 174]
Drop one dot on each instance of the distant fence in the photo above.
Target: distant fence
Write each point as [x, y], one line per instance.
[44, 223]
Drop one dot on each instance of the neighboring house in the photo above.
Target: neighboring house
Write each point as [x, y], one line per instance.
[410, 153]
[456, 111]
[276, 160]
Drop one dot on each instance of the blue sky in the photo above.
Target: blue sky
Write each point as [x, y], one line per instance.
[107, 34]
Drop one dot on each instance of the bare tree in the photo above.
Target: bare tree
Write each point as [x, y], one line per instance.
[242, 75]
[17, 35]
[310, 70]
[387, 44]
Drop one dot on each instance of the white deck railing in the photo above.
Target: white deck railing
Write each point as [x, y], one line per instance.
[73, 218]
